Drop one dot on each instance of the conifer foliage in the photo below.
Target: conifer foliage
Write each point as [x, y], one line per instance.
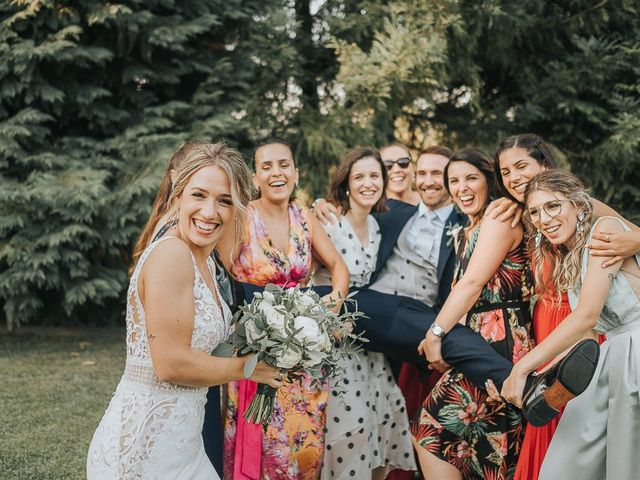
[93, 98]
[95, 95]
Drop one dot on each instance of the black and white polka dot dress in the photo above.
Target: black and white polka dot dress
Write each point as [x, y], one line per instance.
[368, 426]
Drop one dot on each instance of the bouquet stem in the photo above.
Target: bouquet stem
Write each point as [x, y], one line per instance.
[261, 407]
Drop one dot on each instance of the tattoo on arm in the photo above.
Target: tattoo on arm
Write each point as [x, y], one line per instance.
[611, 276]
[152, 338]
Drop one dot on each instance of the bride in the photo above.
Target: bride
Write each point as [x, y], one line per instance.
[175, 318]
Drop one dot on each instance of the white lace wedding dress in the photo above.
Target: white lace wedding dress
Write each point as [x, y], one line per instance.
[153, 429]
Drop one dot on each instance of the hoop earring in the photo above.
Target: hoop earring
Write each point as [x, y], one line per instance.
[537, 240]
[580, 224]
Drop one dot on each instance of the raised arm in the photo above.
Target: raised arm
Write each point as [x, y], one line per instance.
[325, 252]
[579, 323]
[166, 290]
[615, 245]
[495, 240]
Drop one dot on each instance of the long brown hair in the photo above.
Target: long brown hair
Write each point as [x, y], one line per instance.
[482, 161]
[339, 181]
[196, 155]
[565, 264]
[536, 148]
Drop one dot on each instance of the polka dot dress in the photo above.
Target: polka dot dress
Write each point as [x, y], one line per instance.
[367, 427]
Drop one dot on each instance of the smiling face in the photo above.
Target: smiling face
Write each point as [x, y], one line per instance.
[430, 180]
[276, 174]
[517, 169]
[366, 183]
[205, 208]
[400, 179]
[554, 215]
[468, 187]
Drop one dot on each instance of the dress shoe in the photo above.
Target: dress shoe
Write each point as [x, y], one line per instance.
[552, 389]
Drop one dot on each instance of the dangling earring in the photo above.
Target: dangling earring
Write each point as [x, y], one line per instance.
[580, 225]
[347, 192]
[537, 240]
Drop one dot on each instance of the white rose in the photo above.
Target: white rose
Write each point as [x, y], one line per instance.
[274, 319]
[268, 296]
[310, 333]
[252, 332]
[288, 359]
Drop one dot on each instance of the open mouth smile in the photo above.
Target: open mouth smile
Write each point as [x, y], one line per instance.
[205, 227]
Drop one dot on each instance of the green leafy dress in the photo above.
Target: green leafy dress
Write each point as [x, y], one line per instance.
[456, 423]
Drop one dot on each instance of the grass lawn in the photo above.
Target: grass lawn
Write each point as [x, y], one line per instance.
[53, 392]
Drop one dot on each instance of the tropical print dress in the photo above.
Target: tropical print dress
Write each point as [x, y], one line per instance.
[456, 422]
[292, 445]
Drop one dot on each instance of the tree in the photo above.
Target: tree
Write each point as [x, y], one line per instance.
[94, 96]
[567, 70]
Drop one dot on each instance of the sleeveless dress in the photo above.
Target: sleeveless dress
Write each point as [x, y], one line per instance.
[599, 432]
[152, 429]
[368, 426]
[456, 423]
[292, 445]
[547, 315]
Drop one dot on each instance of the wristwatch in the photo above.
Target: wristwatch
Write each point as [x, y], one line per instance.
[437, 330]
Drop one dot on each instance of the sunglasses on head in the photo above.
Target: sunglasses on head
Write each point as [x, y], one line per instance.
[403, 162]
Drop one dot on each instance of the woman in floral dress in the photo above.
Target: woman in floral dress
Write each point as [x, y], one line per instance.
[279, 245]
[458, 433]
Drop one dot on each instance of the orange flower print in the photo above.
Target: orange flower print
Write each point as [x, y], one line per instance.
[472, 413]
[492, 327]
[464, 450]
[521, 344]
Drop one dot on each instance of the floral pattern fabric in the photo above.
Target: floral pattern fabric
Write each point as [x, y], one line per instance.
[456, 422]
[293, 442]
[260, 262]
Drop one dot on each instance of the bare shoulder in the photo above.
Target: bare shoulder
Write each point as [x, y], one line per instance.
[608, 224]
[171, 260]
[497, 229]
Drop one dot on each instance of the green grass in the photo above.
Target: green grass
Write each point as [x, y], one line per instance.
[51, 403]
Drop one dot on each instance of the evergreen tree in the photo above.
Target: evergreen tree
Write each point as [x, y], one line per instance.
[93, 98]
[566, 70]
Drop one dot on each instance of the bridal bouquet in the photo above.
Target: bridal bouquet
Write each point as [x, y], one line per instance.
[292, 330]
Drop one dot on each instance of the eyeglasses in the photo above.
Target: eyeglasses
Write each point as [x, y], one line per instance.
[403, 162]
[552, 208]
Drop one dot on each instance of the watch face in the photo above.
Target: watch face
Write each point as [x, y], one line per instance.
[437, 330]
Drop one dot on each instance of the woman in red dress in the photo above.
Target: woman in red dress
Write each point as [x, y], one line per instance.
[519, 159]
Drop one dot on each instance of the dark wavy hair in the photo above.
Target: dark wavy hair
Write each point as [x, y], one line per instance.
[536, 148]
[339, 181]
[482, 162]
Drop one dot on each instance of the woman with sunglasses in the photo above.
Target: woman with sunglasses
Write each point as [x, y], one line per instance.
[598, 434]
[397, 159]
[517, 161]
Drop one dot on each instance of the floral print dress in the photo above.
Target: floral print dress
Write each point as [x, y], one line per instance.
[292, 445]
[456, 423]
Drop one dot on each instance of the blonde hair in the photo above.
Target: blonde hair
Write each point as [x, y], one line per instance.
[196, 156]
[565, 263]
[161, 202]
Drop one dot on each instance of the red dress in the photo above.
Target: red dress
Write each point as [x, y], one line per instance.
[547, 315]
